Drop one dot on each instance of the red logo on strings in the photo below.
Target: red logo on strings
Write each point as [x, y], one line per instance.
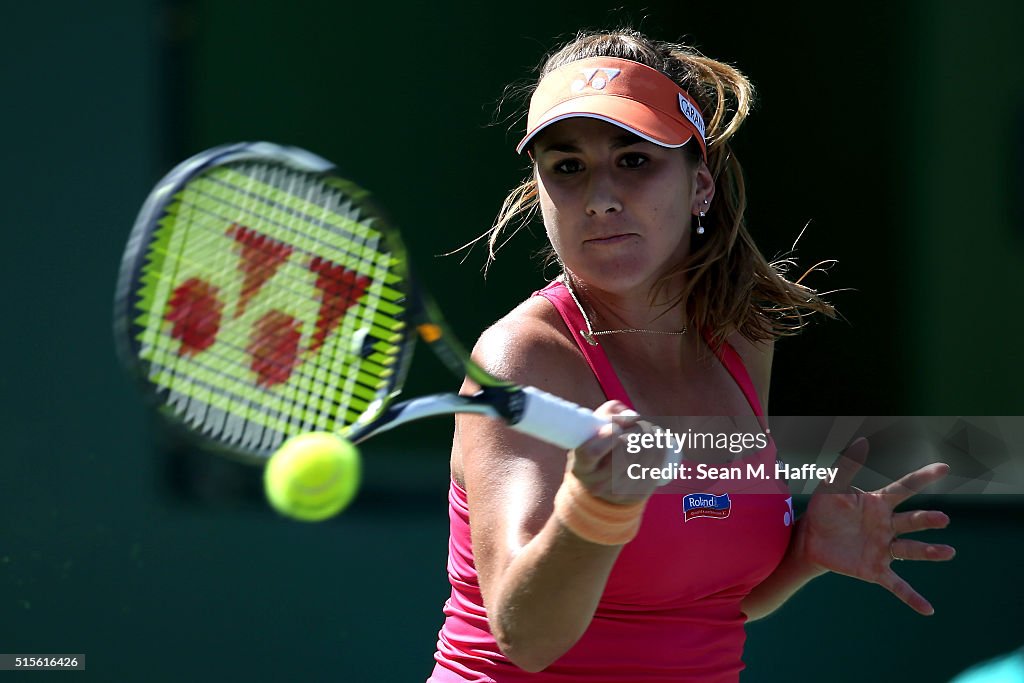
[195, 309]
[274, 347]
[340, 288]
[194, 313]
[261, 256]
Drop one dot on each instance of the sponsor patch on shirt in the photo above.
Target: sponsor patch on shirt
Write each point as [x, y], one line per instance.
[706, 505]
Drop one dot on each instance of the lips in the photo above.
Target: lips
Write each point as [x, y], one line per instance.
[611, 239]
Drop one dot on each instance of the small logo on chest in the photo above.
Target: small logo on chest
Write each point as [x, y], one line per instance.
[789, 517]
[706, 505]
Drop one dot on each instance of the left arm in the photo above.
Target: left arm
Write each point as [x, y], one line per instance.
[846, 530]
[794, 571]
[856, 533]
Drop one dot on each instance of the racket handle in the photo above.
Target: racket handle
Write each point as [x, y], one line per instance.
[556, 420]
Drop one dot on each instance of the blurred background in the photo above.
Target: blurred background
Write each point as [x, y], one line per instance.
[894, 129]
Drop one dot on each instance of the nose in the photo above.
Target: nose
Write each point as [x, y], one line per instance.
[602, 195]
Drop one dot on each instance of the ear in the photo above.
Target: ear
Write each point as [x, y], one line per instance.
[703, 190]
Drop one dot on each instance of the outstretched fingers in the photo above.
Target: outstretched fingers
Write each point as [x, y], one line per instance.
[896, 585]
[907, 549]
[911, 484]
[918, 520]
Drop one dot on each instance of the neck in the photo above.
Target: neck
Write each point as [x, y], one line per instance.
[624, 313]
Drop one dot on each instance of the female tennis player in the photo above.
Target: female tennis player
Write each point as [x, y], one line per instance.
[664, 307]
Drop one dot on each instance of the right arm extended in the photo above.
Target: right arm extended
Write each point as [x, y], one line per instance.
[541, 582]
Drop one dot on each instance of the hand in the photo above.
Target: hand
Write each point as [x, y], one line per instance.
[857, 533]
[592, 462]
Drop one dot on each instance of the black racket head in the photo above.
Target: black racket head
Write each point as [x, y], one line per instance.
[262, 296]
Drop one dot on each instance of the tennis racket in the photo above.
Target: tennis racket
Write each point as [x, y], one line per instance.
[262, 296]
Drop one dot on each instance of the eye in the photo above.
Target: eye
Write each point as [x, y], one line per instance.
[568, 166]
[633, 160]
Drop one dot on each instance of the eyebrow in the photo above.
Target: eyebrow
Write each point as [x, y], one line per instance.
[572, 145]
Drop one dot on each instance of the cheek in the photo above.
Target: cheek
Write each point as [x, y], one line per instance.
[549, 214]
[672, 216]
[552, 230]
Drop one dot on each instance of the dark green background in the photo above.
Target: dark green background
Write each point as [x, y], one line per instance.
[896, 129]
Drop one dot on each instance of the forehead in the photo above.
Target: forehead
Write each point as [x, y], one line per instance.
[580, 131]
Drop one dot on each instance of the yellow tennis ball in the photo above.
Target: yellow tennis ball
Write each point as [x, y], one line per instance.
[312, 476]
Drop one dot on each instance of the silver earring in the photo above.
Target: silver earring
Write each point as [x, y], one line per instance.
[700, 228]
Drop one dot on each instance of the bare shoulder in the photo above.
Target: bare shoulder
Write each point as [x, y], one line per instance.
[530, 345]
[510, 478]
[752, 352]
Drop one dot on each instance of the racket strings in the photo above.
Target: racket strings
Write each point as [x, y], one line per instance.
[390, 320]
[311, 393]
[224, 387]
[372, 297]
[336, 362]
[288, 403]
[387, 324]
[212, 238]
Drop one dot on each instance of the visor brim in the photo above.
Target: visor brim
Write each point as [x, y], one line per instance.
[635, 117]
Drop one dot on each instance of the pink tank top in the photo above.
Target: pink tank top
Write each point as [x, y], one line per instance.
[671, 608]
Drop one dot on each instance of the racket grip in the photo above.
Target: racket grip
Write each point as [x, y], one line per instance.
[556, 420]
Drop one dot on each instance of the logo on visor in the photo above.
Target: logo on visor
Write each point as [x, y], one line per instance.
[692, 114]
[595, 78]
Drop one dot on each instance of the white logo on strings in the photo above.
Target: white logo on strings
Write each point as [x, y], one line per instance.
[590, 78]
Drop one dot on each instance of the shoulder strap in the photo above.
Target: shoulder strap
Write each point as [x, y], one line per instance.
[560, 298]
[732, 361]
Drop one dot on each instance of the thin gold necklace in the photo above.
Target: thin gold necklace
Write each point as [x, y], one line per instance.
[589, 333]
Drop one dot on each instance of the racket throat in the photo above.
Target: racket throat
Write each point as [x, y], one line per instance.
[506, 403]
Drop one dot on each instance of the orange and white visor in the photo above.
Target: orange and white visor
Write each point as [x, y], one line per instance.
[630, 95]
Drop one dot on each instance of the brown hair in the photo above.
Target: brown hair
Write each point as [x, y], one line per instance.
[730, 285]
